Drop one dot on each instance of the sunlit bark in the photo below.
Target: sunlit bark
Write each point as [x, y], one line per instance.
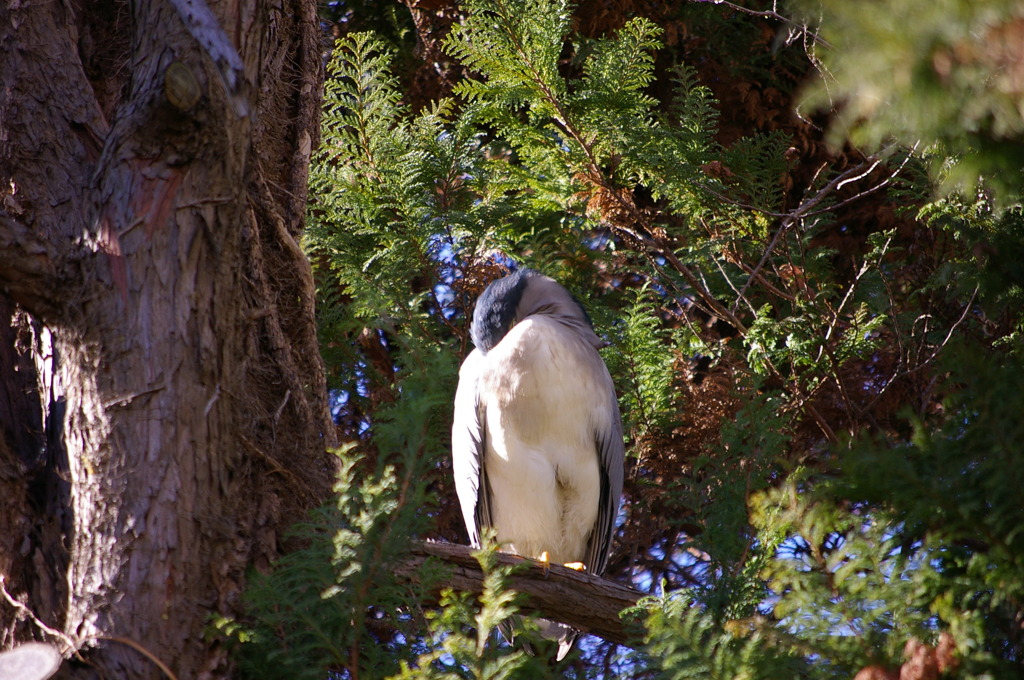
[160, 371]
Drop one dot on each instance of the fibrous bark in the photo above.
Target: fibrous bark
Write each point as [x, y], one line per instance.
[164, 402]
[586, 602]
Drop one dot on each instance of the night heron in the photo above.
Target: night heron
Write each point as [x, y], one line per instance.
[537, 439]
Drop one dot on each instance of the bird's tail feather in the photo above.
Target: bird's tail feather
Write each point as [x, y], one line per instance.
[564, 635]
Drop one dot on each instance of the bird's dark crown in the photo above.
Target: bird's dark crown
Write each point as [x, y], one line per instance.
[496, 309]
[511, 299]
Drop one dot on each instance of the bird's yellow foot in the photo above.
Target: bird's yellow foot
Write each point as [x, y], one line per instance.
[575, 566]
[545, 562]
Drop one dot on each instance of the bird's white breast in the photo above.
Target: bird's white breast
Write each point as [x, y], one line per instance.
[547, 396]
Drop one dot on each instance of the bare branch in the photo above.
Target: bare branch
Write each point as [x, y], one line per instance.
[796, 26]
[805, 210]
[141, 650]
[583, 601]
[880, 185]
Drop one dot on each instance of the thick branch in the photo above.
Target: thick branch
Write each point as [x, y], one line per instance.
[583, 601]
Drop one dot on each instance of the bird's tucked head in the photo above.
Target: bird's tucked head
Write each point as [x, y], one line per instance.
[509, 300]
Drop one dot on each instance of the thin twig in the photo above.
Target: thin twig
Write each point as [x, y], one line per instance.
[770, 14]
[793, 218]
[70, 644]
[125, 399]
[856, 197]
[764, 282]
[934, 354]
[141, 650]
[837, 312]
[275, 466]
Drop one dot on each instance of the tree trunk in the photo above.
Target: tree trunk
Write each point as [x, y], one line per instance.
[164, 403]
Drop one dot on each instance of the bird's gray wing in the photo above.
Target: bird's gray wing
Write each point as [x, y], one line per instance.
[610, 451]
[469, 439]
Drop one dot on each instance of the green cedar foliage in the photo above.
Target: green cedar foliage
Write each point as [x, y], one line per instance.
[912, 538]
[943, 72]
[953, 494]
[686, 642]
[315, 610]
[460, 633]
[833, 480]
[637, 356]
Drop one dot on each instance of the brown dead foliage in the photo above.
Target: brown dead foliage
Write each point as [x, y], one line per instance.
[921, 662]
[877, 673]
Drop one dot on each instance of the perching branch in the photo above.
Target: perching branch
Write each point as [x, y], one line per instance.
[583, 601]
